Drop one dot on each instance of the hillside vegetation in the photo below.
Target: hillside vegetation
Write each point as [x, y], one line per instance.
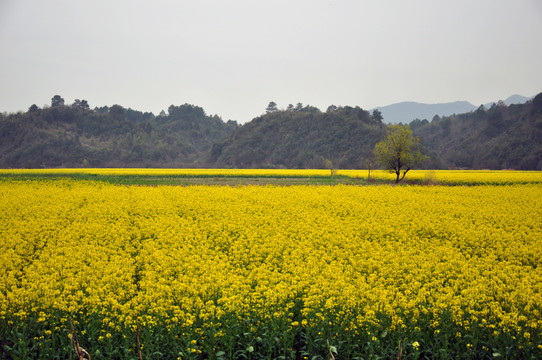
[73, 136]
[501, 137]
[303, 138]
[498, 137]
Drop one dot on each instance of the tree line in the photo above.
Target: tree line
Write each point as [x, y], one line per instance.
[75, 135]
[299, 136]
[498, 137]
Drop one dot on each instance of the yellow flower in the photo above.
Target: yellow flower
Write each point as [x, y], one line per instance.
[182, 257]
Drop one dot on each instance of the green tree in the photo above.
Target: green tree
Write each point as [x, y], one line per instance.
[272, 107]
[399, 151]
[370, 163]
[329, 165]
[117, 112]
[57, 100]
[377, 116]
[81, 104]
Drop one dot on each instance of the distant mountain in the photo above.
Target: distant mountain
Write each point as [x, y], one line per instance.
[513, 99]
[517, 99]
[405, 112]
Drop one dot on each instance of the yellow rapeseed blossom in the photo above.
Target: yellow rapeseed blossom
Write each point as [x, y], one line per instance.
[427, 176]
[352, 257]
[446, 177]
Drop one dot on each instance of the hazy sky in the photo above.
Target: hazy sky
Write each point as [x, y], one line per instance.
[233, 57]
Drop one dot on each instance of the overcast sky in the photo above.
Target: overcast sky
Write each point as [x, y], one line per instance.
[233, 57]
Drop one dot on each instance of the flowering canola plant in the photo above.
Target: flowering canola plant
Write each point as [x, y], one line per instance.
[449, 177]
[270, 271]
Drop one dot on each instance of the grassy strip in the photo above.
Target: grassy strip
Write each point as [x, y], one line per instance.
[232, 177]
[186, 180]
[242, 180]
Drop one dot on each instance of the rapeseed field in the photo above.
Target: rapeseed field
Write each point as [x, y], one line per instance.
[268, 272]
[445, 177]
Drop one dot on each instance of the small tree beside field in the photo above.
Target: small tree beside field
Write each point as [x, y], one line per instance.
[400, 151]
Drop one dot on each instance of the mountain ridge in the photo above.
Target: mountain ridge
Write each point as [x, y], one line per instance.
[406, 111]
[497, 137]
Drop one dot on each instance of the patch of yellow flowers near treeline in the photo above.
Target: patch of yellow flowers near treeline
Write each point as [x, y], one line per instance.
[270, 271]
[450, 177]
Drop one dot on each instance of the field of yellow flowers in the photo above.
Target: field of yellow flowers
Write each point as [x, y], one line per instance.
[445, 177]
[265, 272]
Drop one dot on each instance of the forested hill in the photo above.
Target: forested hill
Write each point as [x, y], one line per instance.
[303, 137]
[75, 136]
[500, 137]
